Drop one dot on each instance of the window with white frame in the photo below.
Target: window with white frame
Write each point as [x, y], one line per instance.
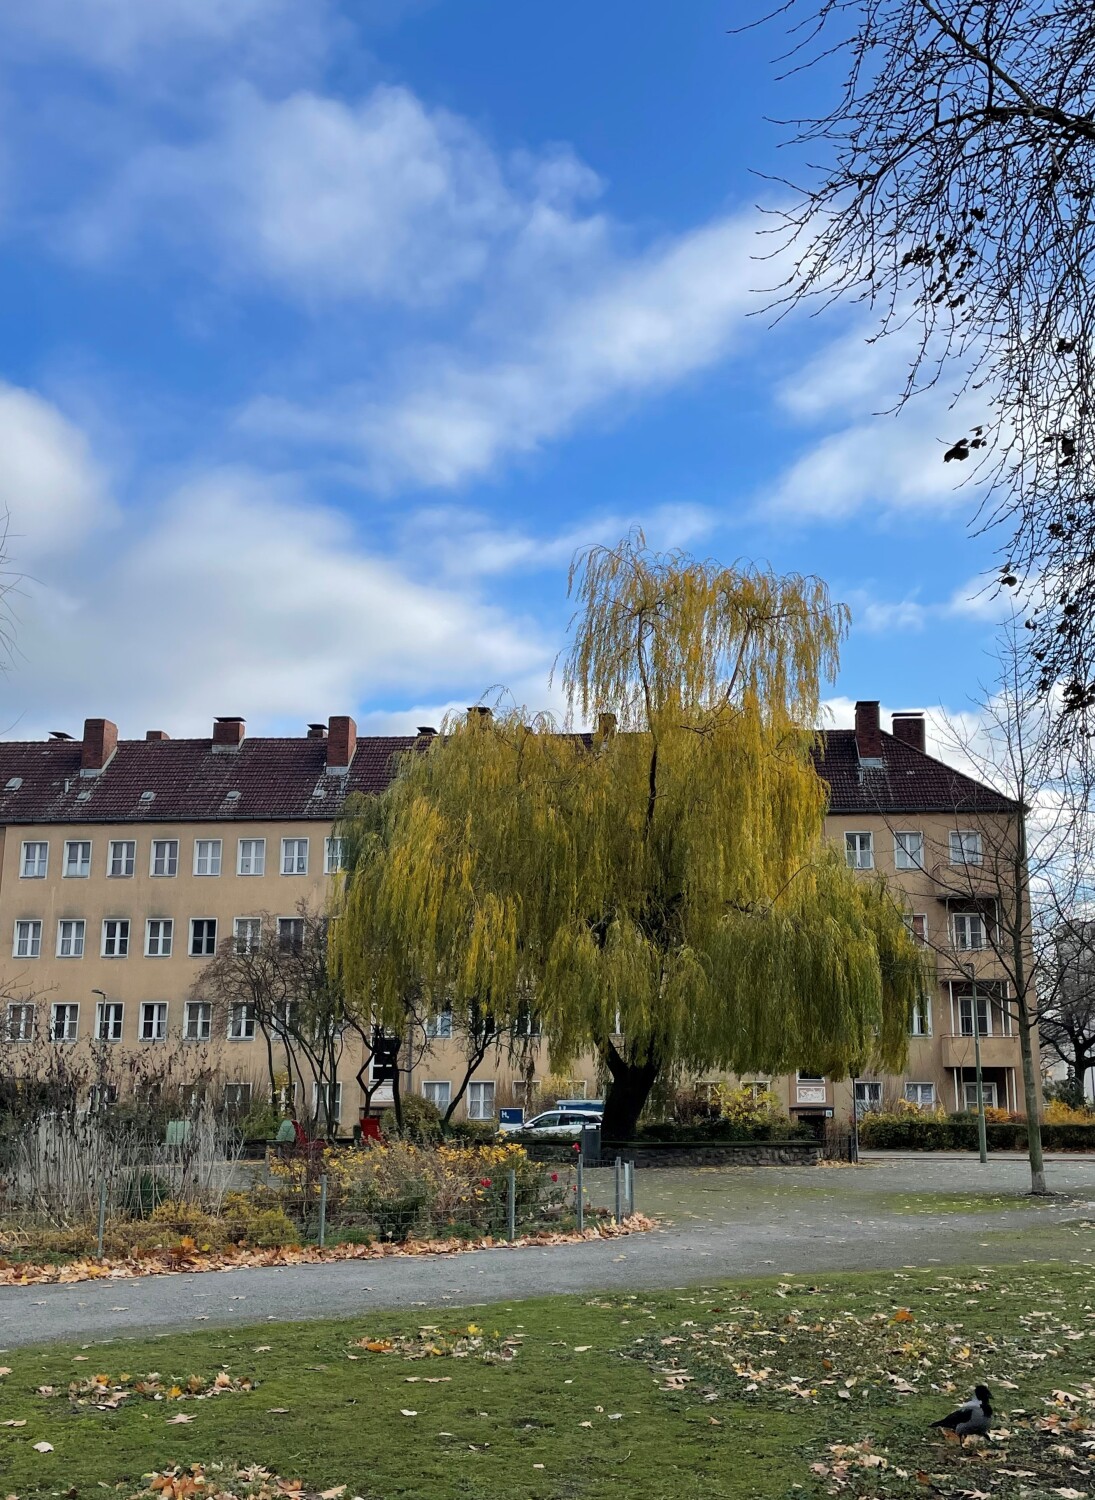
[969, 930]
[116, 937]
[756, 1086]
[203, 937]
[64, 1021]
[920, 1094]
[908, 850]
[965, 847]
[251, 857]
[28, 940]
[19, 1022]
[984, 1014]
[122, 858]
[439, 1026]
[165, 857]
[917, 924]
[108, 1020]
[527, 1023]
[438, 1092]
[237, 1098]
[480, 1101]
[101, 1095]
[331, 1100]
[159, 936]
[153, 1020]
[988, 1093]
[207, 856]
[859, 850]
[920, 1022]
[70, 937]
[198, 1021]
[868, 1097]
[294, 856]
[35, 861]
[77, 858]
[334, 855]
[241, 1022]
[291, 935]
[248, 934]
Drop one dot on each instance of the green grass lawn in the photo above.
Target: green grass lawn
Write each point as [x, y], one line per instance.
[800, 1387]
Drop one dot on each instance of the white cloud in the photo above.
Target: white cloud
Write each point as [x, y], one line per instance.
[383, 199]
[651, 322]
[51, 488]
[978, 599]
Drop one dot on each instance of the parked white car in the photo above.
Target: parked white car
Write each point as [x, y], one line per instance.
[567, 1123]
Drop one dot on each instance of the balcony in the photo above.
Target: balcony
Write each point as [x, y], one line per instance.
[996, 1051]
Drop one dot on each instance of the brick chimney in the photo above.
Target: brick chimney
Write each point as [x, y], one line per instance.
[156, 734]
[910, 729]
[426, 731]
[317, 731]
[100, 743]
[868, 735]
[228, 733]
[341, 744]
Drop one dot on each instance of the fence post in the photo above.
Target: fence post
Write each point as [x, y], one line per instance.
[511, 1204]
[102, 1217]
[619, 1190]
[581, 1197]
[322, 1210]
[630, 1169]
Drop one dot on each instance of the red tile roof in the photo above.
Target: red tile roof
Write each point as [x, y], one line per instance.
[285, 779]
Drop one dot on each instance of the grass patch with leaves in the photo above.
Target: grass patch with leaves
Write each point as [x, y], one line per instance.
[775, 1388]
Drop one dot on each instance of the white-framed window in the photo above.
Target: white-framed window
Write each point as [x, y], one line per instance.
[77, 858]
[920, 1094]
[810, 1078]
[920, 1022]
[203, 937]
[984, 1014]
[294, 856]
[334, 855]
[102, 1095]
[19, 1021]
[440, 1026]
[248, 934]
[64, 1021]
[908, 850]
[207, 856]
[965, 847]
[917, 923]
[35, 860]
[241, 1022]
[291, 934]
[153, 1020]
[480, 1101]
[527, 1023]
[108, 1020]
[859, 850]
[969, 930]
[333, 1099]
[122, 860]
[251, 857]
[868, 1097]
[159, 936]
[756, 1086]
[165, 857]
[28, 940]
[198, 1021]
[70, 937]
[438, 1092]
[115, 937]
[988, 1093]
[237, 1098]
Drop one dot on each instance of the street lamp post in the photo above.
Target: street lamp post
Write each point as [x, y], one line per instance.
[982, 1136]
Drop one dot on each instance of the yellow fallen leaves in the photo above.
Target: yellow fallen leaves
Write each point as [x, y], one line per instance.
[108, 1392]
[215, 1482]
[188, 1256]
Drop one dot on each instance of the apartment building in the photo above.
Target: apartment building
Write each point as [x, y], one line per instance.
[124, 864]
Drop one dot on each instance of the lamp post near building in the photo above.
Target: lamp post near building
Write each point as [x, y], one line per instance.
[982, 1137]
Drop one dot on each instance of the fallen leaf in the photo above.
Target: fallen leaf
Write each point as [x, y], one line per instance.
[14, 1422]
[43, 1447]
[181, 1417]
[276, 1411]
[333, 1494]
[403, 1411]
[582, 1348]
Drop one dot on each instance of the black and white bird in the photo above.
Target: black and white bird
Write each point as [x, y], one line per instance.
[973, 1418]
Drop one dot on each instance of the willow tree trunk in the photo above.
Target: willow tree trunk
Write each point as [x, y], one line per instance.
[628, 1090]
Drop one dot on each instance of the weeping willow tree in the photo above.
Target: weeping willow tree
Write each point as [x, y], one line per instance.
[661, 885]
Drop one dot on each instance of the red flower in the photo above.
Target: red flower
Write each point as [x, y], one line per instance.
[576, 1146]
[555, 1177]
[484, 1182]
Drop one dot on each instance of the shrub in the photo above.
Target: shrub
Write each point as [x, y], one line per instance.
[478, 1132]
[421, 1121]
[1061, 1112]
[907, 1131]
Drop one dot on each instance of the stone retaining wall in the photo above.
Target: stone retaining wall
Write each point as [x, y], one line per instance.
[724, 1154]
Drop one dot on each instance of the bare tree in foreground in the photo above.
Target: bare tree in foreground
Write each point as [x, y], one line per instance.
[954, 196]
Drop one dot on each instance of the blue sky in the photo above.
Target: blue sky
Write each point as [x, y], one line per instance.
[332, 329]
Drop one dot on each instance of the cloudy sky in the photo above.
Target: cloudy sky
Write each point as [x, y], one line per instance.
[332, 329]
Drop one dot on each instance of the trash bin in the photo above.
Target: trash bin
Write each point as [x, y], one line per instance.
[591, 1145]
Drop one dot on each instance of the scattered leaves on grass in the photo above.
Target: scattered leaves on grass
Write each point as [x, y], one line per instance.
[109, 1391]
[433, 1342]
[215, 1482]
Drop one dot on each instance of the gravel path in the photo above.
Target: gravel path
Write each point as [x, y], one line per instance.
[715, 1225]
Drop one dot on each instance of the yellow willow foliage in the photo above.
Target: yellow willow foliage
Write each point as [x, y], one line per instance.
[672, 874]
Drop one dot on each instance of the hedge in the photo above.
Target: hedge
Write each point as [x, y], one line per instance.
[959, 1133]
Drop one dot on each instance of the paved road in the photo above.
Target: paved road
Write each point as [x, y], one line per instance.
[717, 1225]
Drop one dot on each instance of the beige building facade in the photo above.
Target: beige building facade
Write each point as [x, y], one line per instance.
[125, 865]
